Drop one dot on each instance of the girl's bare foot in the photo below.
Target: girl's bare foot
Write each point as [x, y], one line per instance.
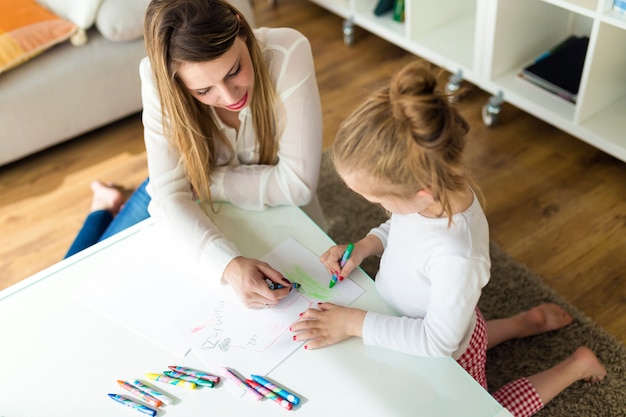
[108, 197]
[590, 368]
[540, 319]
[580, 365]
[544, 318]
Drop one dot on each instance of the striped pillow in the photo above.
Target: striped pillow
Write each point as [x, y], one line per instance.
[27, 29]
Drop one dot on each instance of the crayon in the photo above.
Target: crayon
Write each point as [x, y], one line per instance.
[196, 373]
[130, 403]
[242, 383]
[151, 391]
[270, 394]
[185, 377]
[276, 286]
[342, 263]
[140, 394]
[278, 390]
[169, 380]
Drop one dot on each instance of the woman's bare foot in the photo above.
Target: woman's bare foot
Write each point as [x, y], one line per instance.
[544, 318]
[108, 197]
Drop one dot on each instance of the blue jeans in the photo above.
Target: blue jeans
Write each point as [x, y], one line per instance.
[101, 224]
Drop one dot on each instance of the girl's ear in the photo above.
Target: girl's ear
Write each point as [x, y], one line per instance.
[425, 192]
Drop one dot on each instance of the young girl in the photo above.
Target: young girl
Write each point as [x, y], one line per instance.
[403, 149]
[230, 114]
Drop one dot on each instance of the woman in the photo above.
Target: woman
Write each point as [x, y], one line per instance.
[233, 115]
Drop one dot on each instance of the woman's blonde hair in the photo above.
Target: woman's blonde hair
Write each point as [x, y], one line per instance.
[178, 31]
[408, 137]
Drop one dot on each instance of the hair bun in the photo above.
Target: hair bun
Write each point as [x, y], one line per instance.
[413, 80]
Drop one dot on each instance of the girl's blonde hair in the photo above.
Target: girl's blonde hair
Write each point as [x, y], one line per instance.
[178, 31]
[407, 137]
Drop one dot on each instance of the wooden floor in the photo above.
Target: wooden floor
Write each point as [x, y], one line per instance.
[554, 203]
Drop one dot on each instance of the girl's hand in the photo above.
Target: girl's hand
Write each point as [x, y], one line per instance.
[332, 258]
[247, 277]
[328, 325]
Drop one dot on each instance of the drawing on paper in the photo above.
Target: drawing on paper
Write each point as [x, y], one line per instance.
[310, 286]
[223, 332]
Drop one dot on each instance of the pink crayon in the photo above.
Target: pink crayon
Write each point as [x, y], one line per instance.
[270, 394]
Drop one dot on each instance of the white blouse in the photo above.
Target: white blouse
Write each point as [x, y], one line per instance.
[242, 182]
[432, 275]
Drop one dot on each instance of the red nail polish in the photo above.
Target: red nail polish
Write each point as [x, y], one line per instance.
[300, 314]
[290, 329]
[294, 337]
[306, 347]
[340, 278]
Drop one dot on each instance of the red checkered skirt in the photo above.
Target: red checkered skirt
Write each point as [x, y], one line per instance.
[519, 397]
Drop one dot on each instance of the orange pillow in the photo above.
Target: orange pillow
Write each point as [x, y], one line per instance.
[27, 29]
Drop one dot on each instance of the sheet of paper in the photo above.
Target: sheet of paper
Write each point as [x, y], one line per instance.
[152, 292]
[221, 333]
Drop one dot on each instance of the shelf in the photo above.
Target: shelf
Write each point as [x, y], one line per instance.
[491, 41]
[534, 99]
[453, 42]
[606, 128]
[614, 18]
[586, 7]
[383, 26]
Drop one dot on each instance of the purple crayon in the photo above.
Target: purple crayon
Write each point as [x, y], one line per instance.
[130, 403]
[278, 390]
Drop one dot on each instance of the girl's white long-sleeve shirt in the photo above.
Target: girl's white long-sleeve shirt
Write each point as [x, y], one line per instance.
[432, 275]
[241, 181]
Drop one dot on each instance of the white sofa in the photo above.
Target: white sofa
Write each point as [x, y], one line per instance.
[70, 90]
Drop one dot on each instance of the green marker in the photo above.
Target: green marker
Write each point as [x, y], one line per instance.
[342, 263]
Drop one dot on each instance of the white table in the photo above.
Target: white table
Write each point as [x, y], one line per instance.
[58, 357]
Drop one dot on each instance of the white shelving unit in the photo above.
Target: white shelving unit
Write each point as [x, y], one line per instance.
[488, 42]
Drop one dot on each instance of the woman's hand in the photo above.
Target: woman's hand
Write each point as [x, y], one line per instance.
[328, 325]
[247, 277]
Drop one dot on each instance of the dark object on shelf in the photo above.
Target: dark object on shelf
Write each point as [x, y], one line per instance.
[383, 6]
[398, 11]
[560, 69]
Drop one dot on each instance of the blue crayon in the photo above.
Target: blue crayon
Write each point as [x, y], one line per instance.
[275, 388]
[276, 286]
[130, 403]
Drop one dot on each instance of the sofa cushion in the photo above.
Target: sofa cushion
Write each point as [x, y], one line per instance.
[121, 20]
[27, 29]
[80, 12]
